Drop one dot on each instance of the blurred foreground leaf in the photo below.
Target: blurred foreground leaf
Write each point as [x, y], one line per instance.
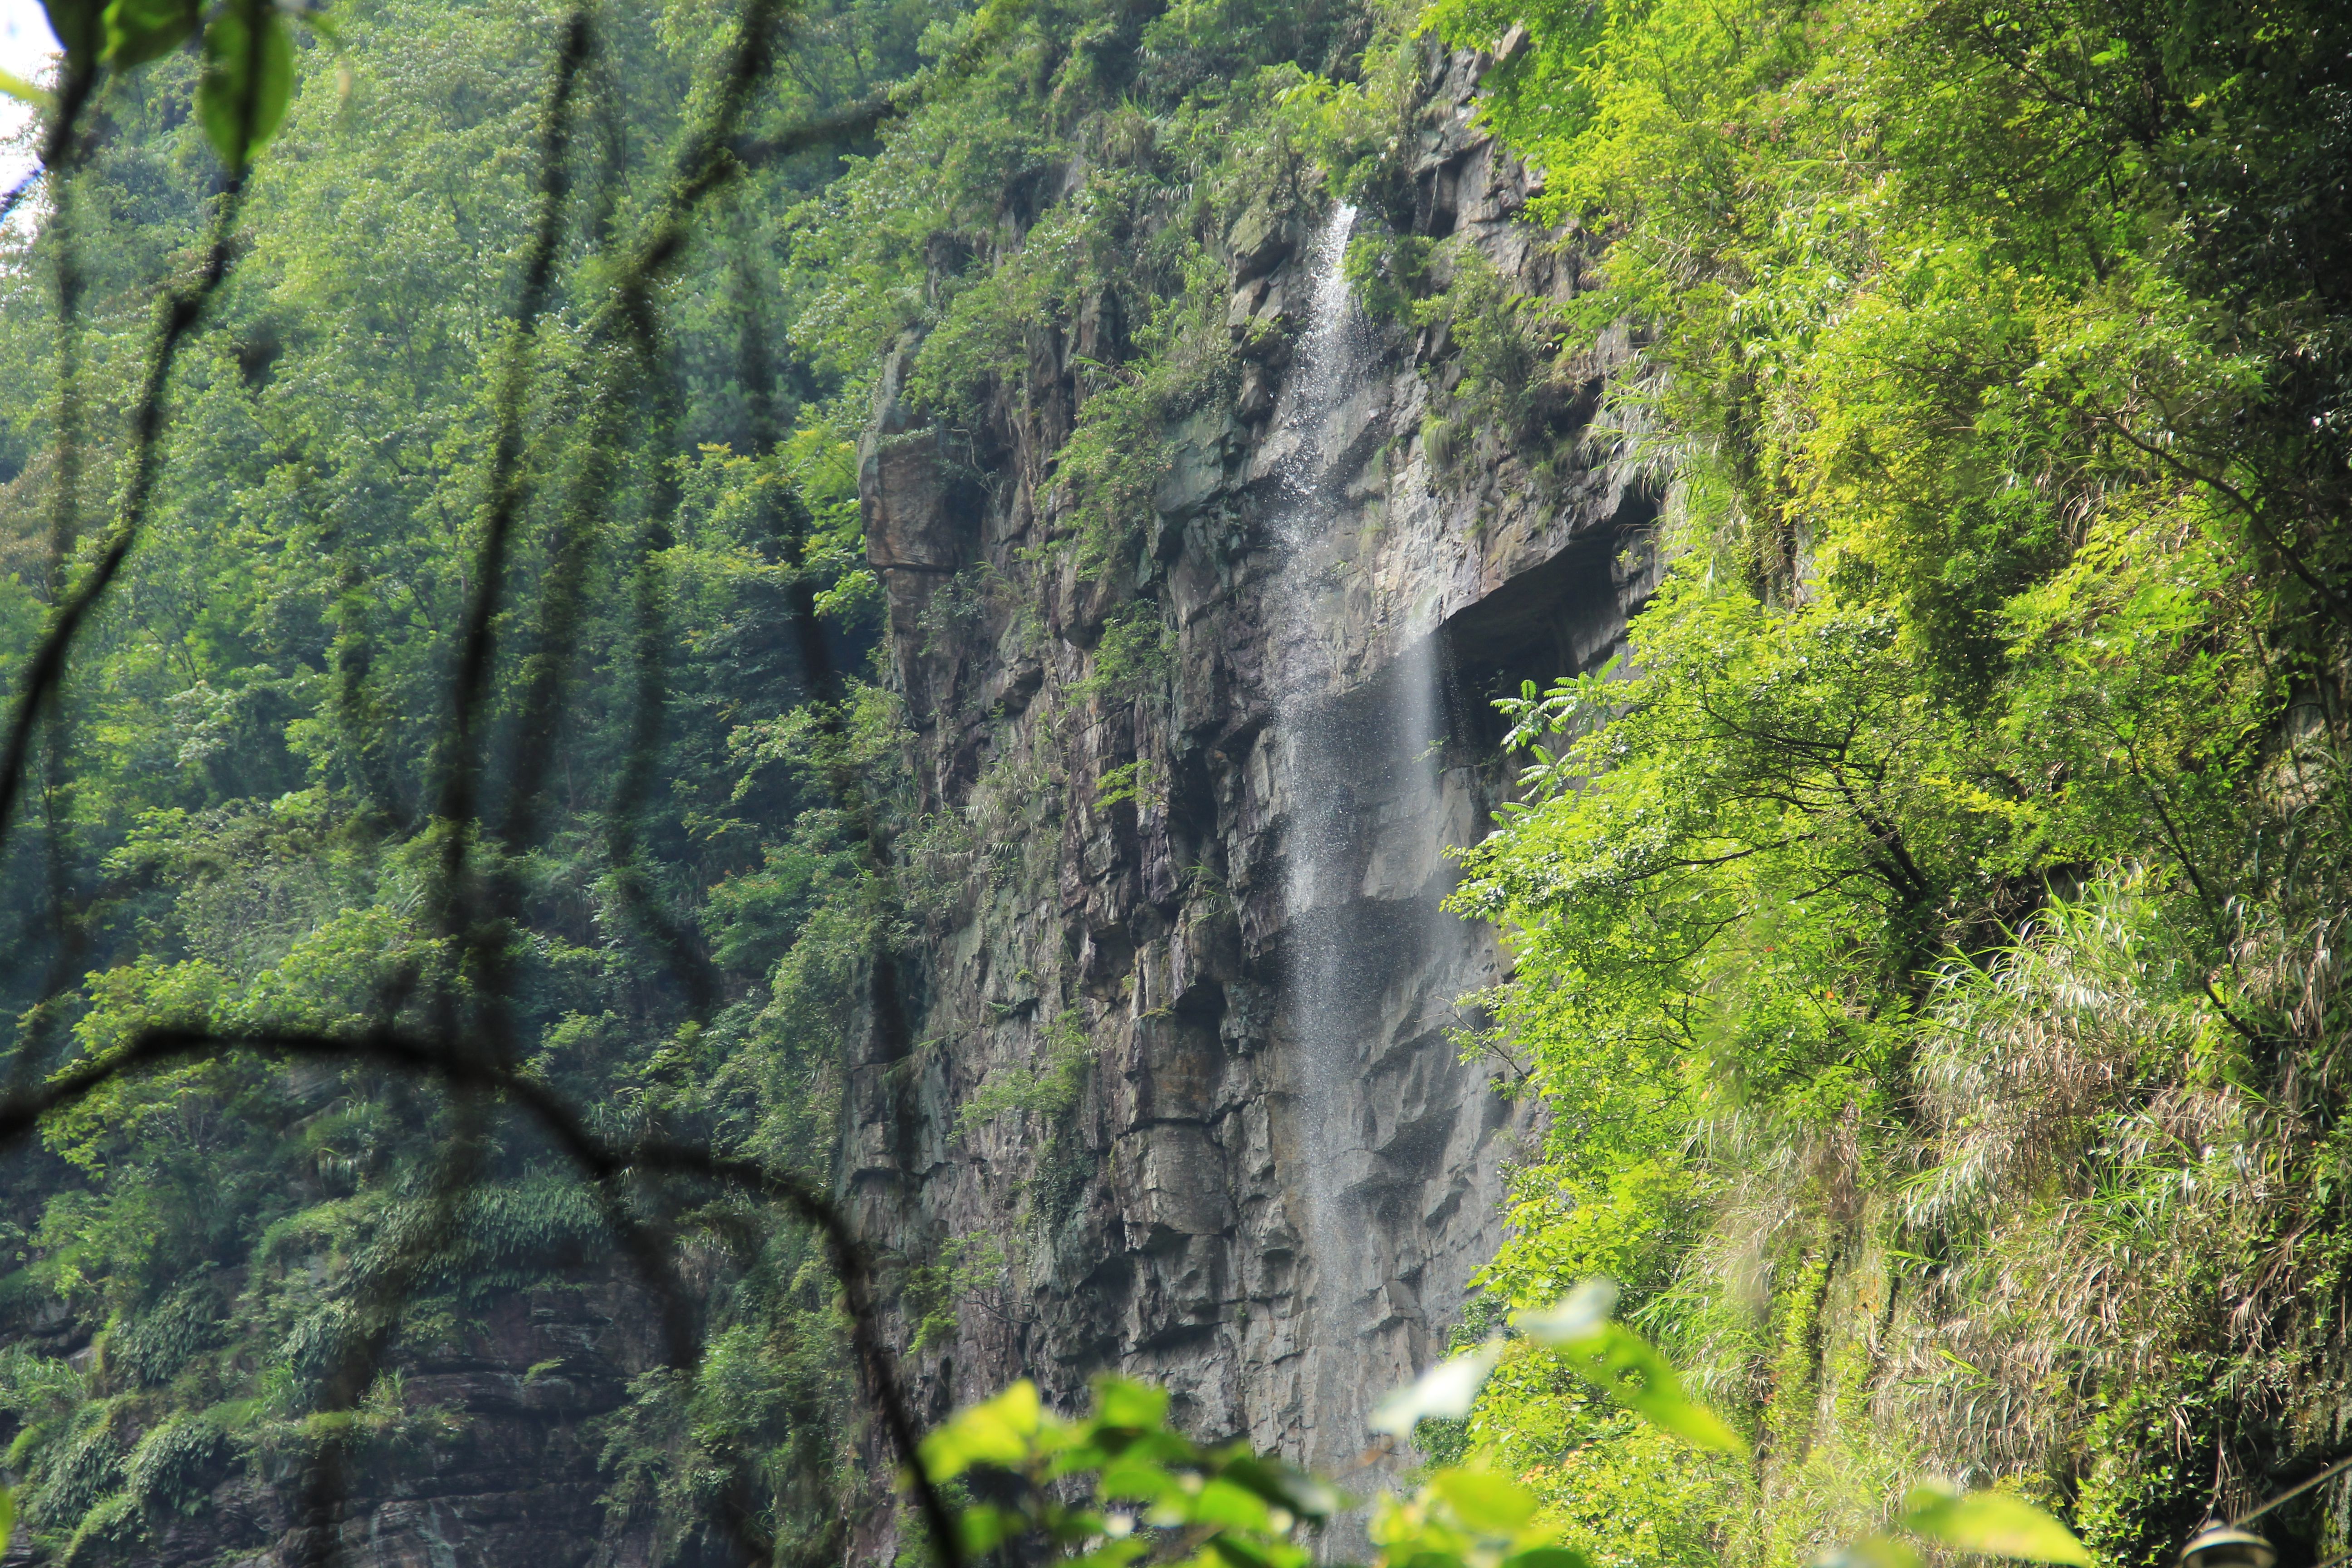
[1991, 1524]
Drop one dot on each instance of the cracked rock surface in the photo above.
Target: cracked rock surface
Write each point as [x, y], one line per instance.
[1140, 939]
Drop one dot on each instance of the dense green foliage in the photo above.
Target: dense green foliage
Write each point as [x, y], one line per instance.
[240, 805]
[1925, 932]
[1118, 1486]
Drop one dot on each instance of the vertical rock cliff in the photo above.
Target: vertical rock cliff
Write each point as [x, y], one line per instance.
[1183, 1101]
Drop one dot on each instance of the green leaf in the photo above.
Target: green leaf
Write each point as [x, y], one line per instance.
[1122, 1403]
[1222, 1503]
[986, 1527]
[1238, 1553]
[1990, 1523]
[1549, 1557]
[998, 1433]
[7, 1518]
[137, 31]
[1309, 1497]
[1627, 1367]
[1486, 1502]
[1135, 1482]
[24, 91]
[249, 79]
[1444, 1393]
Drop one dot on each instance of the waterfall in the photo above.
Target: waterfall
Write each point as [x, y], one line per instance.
[1359, 836]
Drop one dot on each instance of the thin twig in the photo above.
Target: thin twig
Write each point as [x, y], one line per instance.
[182, 309]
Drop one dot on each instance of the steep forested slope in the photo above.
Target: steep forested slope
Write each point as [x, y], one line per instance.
[235, 827]
[1928, 933]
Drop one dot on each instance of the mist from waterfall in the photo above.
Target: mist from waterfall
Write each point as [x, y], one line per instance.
[1359, 795]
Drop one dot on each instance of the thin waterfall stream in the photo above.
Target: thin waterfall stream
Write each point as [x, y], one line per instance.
[1361, 792]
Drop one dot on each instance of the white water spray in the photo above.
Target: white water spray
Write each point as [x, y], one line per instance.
[1360, 799]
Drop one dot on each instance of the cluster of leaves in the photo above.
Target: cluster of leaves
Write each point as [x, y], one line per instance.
[1118, 1486]
[240, 832]
[247, 45]
[1994, 670]
[1154, 1490]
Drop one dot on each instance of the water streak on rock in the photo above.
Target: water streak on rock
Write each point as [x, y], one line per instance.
[1358, 771]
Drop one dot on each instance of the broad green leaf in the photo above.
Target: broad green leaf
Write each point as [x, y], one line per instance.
[985, 1528]
[7, 1518]
[998, 1432]
[1122, 1403]
[1645, 1383]
[1310, 1497]
[1991, 1523]
[1486, 1502]
[248, 78]
[1239, 1554]
[1549, 1557]
[1444, 1393]
[24, 91]
[1626, 1366]
[1137, 1482]
[1222, 1503]
[137, 31]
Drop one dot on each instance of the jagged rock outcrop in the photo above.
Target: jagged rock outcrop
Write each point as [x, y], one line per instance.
[1138, 941]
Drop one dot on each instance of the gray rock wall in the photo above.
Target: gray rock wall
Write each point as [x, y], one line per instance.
[1157, 1226]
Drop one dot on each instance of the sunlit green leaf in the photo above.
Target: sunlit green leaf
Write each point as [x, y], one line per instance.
[1626, 1366]
[1486, 1502]
[1120, 1402]
[1138, 1481]
[1991, 1523]
[1240, 1554]
[1549, 1557]
[986, 1528]
[1222, 1503]
[24, 91]
[1307, 1496]
[998, 1432]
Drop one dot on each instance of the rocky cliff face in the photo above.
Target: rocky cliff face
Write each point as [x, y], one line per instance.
[1270, 1177]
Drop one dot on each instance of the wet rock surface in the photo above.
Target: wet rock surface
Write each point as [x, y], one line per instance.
[1148, 932]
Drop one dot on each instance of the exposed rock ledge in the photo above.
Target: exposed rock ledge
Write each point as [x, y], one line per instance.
[1157, 1231]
